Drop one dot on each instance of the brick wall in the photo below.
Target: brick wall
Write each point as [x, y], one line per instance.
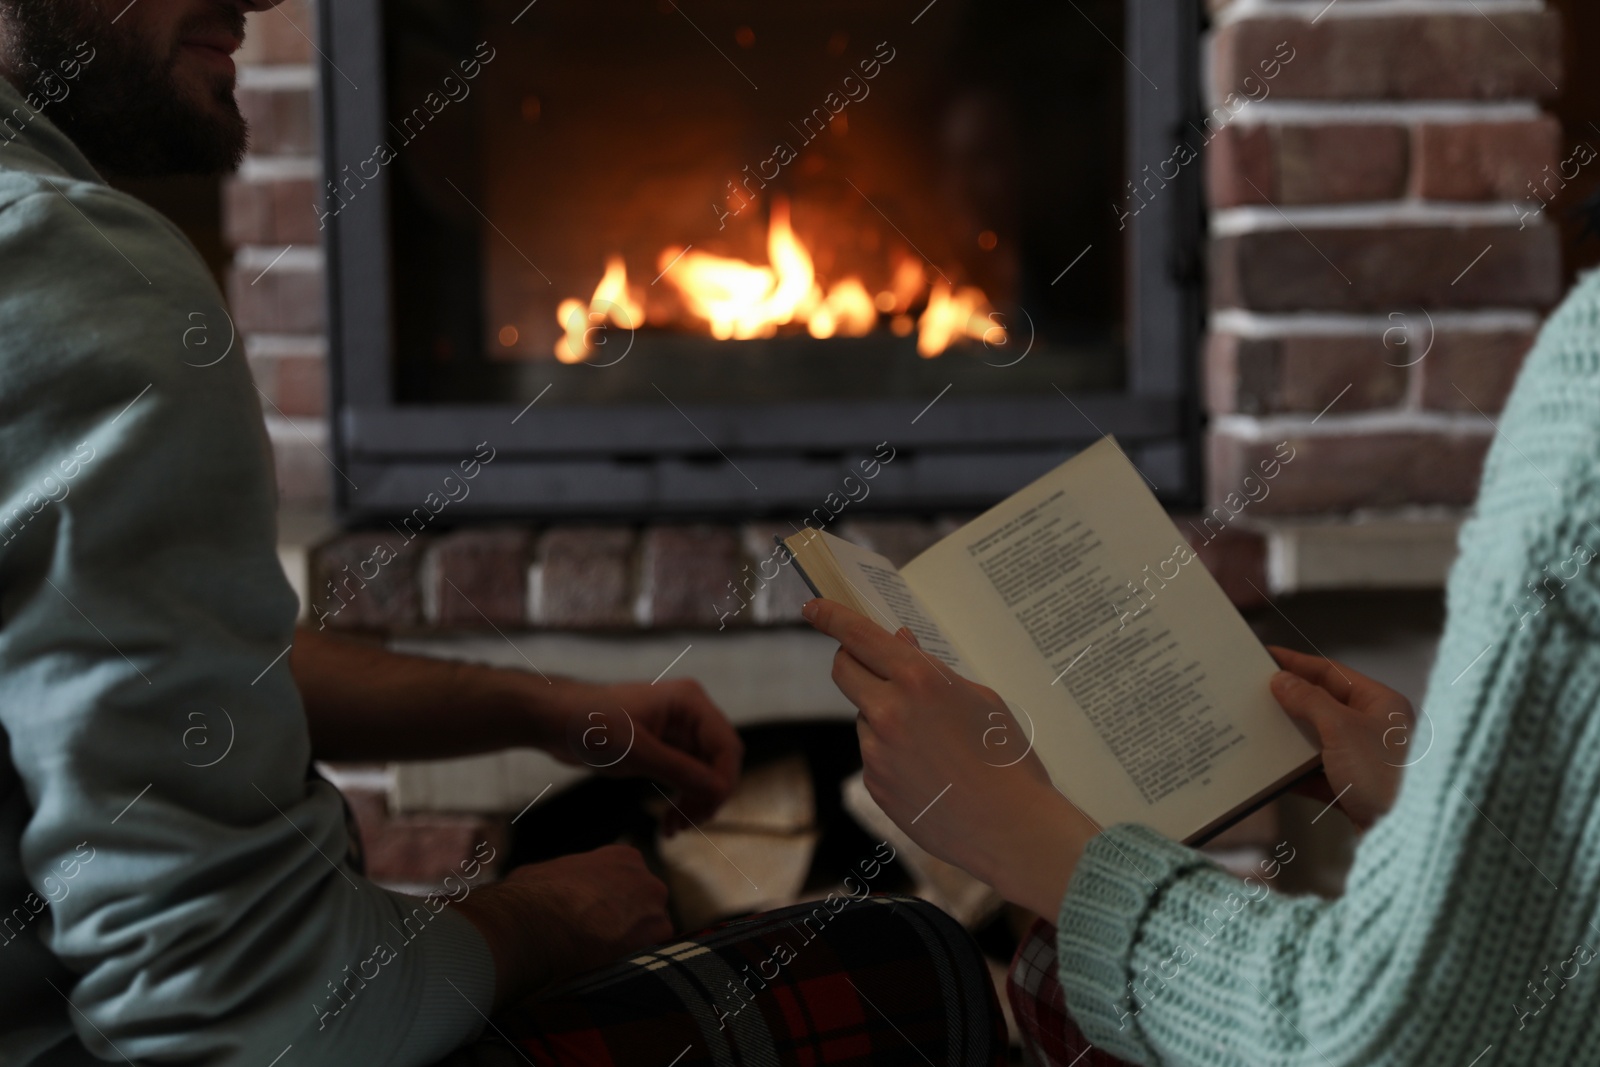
[1377, 269]
[275, 285]
[1379, 261]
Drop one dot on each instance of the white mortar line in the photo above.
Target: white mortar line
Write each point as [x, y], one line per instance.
[286, 344]
[297, 258]
[376, 779]
[1242, 323]
[1277, 427]
[1322, 11]
[1371, 112]
[281, 75]
[296, 431]
[1392, 213]
[275, 168]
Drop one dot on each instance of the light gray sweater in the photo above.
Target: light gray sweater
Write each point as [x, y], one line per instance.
[172, 888]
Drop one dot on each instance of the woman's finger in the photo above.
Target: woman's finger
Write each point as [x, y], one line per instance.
[855, 681]
[1335, 677]
[1311, 704]
[875, 648]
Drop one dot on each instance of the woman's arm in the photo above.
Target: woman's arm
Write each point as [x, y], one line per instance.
[1166, 958]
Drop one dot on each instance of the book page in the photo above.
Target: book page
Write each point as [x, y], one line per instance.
[1146, 691]
[876, 583]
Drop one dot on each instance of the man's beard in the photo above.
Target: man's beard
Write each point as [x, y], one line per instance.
[124, 110]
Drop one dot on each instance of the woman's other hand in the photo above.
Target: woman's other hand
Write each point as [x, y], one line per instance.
[1365, 728]
[945, 759]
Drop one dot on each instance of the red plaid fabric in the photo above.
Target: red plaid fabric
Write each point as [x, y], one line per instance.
[1049, 1036]
[884, 981]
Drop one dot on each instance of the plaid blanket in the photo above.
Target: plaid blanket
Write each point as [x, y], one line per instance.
[880, 980]
[1049, 1036]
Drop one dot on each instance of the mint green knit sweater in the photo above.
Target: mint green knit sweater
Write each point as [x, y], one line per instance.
[1468, 925]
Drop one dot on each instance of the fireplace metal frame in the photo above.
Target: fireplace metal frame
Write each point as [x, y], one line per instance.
[704, 460]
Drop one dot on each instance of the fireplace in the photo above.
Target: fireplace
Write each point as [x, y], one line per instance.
[639, 258]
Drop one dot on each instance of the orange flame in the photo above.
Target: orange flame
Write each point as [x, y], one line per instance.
[611, 303]
[950, 317]
[741, 301]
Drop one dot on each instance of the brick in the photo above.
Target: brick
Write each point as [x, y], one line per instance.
[685, 575]
[1442, 56]
[284, 300]
[1240, 168]
[1334, 473]
[1384, 268]
[279, 35]
[1294, 164]
[357, 592]
[281, 120]
[1265, 376]
[1338, 164]
[277, 211]
[1235, 556]
[767, 601]
[296, 383]
[473, 579]
[583, 578]
[419, 850]
[1483, 366]
[1487, 160]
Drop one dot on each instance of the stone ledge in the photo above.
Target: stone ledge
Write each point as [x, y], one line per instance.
[1402, 551]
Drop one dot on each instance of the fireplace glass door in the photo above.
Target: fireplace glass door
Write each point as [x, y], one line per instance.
[765, 231]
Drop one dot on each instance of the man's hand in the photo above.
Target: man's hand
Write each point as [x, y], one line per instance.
[549, 922]
[1364, 727]
[945, 759]
[668, 731]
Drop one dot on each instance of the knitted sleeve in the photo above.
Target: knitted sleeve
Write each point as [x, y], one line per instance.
[1468, 923]
[200, 909]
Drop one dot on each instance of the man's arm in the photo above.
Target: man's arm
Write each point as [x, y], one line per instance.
[366, 703]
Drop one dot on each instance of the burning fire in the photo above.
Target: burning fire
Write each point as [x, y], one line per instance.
[611, 303]
[741, 301]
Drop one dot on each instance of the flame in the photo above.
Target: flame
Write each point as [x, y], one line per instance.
[950, 317]
[611, 303]
[850, 305]
[910, 282]
[742, 301]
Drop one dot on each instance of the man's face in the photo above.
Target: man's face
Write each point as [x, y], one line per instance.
[143, 88]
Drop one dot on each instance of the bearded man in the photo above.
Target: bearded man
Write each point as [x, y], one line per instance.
[162, 904]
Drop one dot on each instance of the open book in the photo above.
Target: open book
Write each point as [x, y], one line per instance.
[1079, 602]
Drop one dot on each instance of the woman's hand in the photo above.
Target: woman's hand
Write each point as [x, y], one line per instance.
[1364, 727]
[945, 759]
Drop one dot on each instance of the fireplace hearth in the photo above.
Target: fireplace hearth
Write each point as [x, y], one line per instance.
[679, 260]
